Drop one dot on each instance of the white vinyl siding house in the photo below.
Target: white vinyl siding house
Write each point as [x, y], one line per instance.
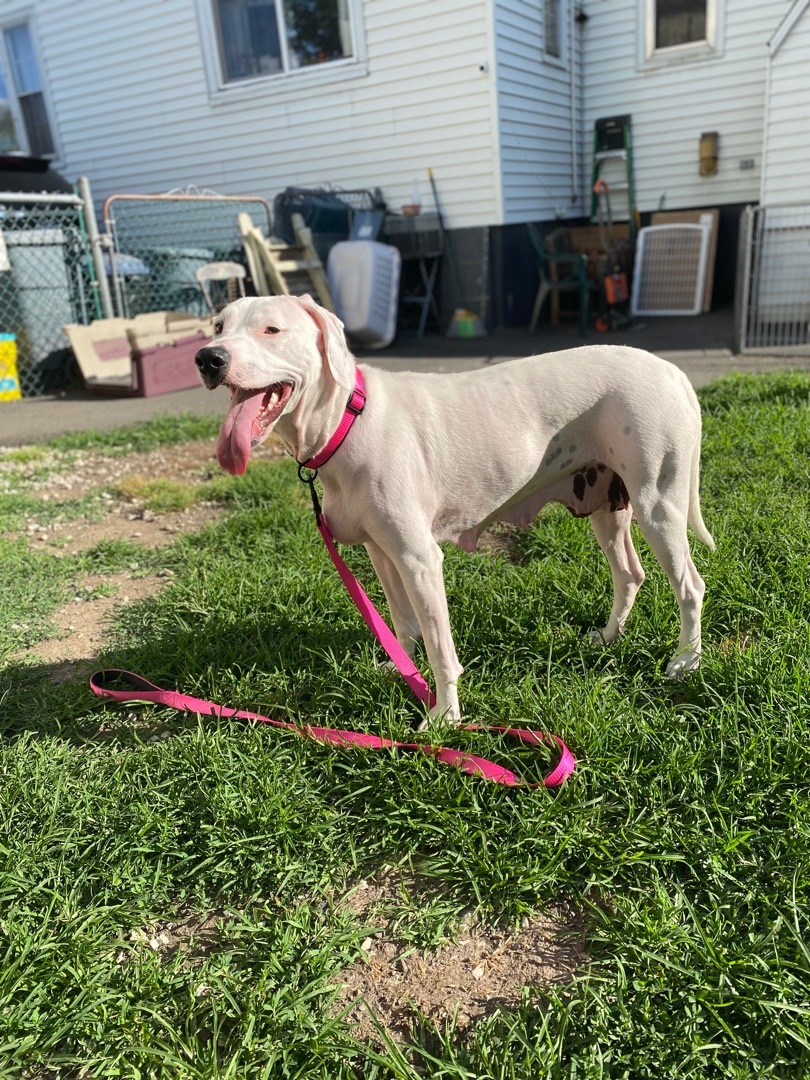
[138, 107]
[786, 143]
[672, 102]
[537, 111]
[469, 88]
[498, 98]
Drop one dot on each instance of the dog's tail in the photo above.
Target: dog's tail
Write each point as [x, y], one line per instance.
[695, 517]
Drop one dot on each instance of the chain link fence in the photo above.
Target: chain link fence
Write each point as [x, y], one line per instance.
[46, 280]
[160, 241]
[55, 267]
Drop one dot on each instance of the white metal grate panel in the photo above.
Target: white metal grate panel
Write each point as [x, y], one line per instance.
[670, 270]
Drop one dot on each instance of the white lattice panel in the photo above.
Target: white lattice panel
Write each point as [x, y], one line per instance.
[670, 270]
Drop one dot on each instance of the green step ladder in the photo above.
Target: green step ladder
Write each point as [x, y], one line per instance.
[612, 146]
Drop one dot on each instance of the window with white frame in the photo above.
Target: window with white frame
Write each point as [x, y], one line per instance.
[552, 45]
[274, 37]
[553, 29]
[9, 143]
[24, 122]
[676, 29]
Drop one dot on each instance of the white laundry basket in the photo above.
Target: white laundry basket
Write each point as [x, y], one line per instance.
[364, 282]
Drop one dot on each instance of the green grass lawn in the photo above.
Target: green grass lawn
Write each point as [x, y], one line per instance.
[682, 838]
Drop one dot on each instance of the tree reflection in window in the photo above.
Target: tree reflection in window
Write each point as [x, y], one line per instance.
[316, 32]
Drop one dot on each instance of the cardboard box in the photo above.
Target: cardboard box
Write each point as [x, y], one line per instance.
[150, 354]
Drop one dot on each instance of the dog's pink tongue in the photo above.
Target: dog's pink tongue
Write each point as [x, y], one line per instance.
[237, 431]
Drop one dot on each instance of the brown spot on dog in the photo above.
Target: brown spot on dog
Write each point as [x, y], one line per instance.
[590, 476]
[579, 486]
[618, 496]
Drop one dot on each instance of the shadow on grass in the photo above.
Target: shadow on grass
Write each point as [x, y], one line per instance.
[55, 698]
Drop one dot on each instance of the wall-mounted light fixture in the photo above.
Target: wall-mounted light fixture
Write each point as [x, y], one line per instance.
[708, 153]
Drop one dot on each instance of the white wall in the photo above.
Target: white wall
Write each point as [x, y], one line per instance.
[135, 111]
[672, 105]
[787, 132]
[461, 86]
[537, 135]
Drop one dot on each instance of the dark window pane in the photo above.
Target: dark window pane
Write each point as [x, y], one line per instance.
[23, 60]
[8, 136]
[317, 31]
[37, 128]
[551, 20]
[248, 35]
[679, 22]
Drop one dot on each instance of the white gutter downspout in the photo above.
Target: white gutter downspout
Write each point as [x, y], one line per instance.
[490, 70]
[764, 162]
[572, 96]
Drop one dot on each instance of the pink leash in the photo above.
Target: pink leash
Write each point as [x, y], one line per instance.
[141, 689]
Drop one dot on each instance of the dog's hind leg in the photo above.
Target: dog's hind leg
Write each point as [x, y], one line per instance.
[663, 525]
[612, 530]
[406, 624]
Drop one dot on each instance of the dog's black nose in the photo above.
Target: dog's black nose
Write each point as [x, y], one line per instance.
[213, 362]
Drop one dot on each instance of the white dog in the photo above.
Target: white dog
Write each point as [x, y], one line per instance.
[606, 430]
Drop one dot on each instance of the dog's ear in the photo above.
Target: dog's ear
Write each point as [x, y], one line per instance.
[334, 350]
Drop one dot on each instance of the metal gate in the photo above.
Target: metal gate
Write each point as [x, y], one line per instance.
[773, 280]
[160, 241]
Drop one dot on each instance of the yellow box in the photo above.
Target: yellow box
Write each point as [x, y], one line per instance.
[9, 376]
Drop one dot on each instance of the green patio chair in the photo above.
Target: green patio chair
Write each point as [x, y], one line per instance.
[560, 271]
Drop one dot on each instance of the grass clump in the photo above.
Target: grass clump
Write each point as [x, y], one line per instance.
[161, 495]
[23, 455]
[682, 838]
[141, 437]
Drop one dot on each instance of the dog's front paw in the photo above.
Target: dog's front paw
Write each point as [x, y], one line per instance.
[441, 717]
[682, 663]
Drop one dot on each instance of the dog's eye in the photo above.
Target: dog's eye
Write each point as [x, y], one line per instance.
[217, 327]
[273, 330]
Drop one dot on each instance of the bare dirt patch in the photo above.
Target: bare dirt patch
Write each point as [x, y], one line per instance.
[82, 624]
[127, 521]
[189, 931]
[192, 935]
[483, 969]
[192, 462]
[57, 478]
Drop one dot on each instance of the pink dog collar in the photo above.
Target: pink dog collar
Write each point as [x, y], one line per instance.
[354, 406]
